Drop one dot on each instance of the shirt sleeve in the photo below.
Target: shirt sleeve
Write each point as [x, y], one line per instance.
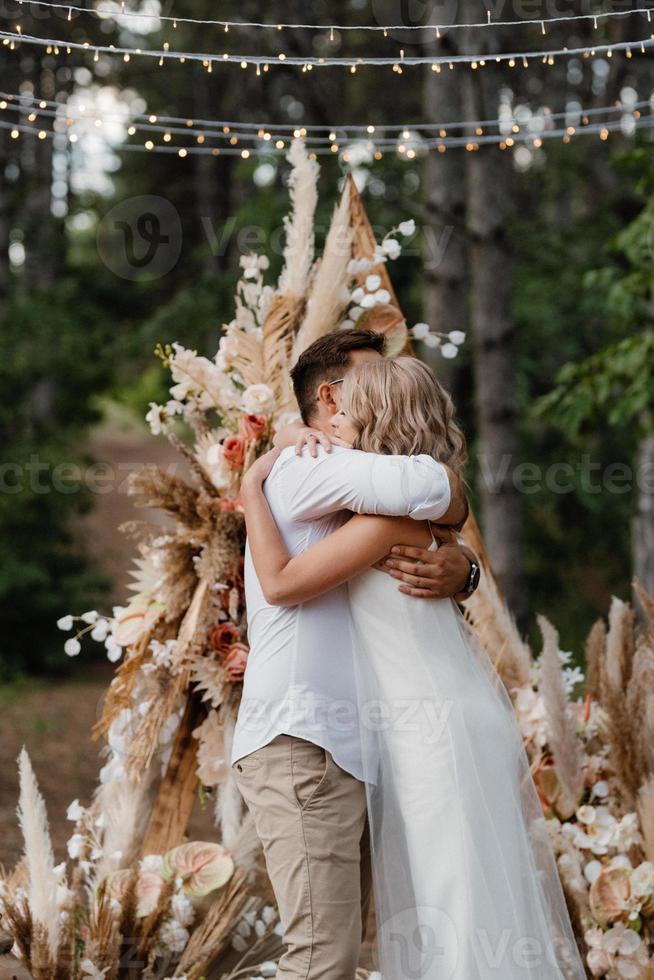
[365, 483]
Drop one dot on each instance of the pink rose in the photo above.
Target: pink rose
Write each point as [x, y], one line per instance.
[253, 427]
[234, 451]
[234, 661]
[223, 636]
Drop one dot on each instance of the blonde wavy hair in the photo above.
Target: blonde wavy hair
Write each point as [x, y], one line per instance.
[399, 408]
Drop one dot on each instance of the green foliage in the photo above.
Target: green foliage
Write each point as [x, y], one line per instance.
[51, 364]
[616, 384]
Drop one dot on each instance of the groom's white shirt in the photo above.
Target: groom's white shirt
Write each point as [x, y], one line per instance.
[299, 678]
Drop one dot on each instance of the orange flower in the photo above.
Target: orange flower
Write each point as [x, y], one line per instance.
[234, 661]
[253, 427]
[223, 636]
[234, 451]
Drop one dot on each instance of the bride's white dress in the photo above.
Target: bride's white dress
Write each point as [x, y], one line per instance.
[464, 877]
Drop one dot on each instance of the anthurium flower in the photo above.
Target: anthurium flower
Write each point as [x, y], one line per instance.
[203, 867]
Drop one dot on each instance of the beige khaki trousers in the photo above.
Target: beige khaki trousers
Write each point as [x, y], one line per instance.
[311, 818]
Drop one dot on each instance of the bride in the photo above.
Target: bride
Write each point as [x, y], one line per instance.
[464, 879]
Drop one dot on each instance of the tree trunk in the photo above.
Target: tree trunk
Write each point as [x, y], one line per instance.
[488, 173]
[643, 522]
[444, 234]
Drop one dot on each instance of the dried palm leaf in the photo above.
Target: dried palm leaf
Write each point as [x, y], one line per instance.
[329, 292]
[562, 732]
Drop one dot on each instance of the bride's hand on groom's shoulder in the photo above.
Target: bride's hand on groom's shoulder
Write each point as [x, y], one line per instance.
[299, 435]
[440, 574]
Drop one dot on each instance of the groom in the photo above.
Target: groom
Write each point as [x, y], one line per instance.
[296, 750]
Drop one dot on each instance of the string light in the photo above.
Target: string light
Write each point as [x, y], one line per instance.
[216, 128]
[311, 62]
[602, 129]
[371, 28]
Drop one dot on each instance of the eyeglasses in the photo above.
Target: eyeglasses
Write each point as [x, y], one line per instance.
[338, 381]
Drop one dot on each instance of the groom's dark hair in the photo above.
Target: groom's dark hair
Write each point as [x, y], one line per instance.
[325, 360]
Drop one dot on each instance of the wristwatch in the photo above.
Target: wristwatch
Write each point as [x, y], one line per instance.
[473, 578]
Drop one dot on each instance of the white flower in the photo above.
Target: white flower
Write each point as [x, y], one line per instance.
[600, 789]
[156, 418]
[355, 312]
[239, 943]
[356, 266]
[72, 647]
[391, 248]
[91, 971]
[152, 862]
[268, 914]
[183, 909]
[173, 936]
[457, 337]
[449, 350]
[571, 677]
[89, 617]
[372, 284]
[258, 399]
[65, 623]
[114, 650]
[626, 832]
[75, 846]
[358, 293]
[642, 879]
[407, 228]
[431, 340]
[74, 811]
[100, 630]
[420, 331]
[382, 296]
[592, 870]
[269, 969]
[368, 301]
[346, 324]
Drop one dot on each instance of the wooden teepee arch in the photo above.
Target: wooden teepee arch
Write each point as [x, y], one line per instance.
[178, 788]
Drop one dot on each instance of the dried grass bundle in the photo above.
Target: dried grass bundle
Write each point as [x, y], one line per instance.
[103, 945]
[151, 486]
[229, 802]
[39, 859]
[126, 805]
[646, 815]
[562, 736]
[489, 615]
[619, 647]
[329, 293]
[639, 706]
[299, 225]
[647, 604]
[595, 653]
[119, 693]
[214, 932]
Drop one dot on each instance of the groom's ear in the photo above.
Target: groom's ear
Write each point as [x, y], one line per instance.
[325, 396]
